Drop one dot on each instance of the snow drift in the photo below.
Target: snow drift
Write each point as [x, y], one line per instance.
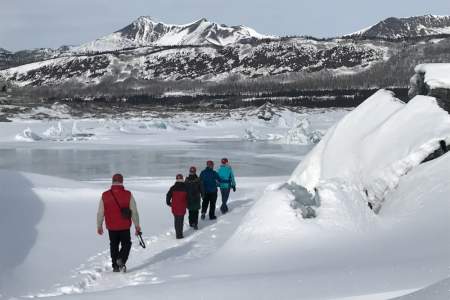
[375, 153]
[375, 145]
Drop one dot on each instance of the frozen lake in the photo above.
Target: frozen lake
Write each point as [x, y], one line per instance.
[88, 162]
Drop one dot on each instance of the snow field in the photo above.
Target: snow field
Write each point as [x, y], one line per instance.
[65, 223]
[262, 249]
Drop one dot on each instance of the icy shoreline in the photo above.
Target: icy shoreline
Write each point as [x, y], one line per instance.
[270, 123]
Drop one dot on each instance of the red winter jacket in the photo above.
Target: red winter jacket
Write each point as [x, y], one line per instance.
[113, 218]
[177, 198]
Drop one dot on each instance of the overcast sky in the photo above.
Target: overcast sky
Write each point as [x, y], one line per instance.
[51, 23]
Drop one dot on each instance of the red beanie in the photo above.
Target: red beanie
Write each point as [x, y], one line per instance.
[192, 170]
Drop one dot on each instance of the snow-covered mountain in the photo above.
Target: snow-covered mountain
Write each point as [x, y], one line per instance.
[202, 50]
[401, 28]
[147, 32]
[10, 59]
[204, 62]
[4, 51]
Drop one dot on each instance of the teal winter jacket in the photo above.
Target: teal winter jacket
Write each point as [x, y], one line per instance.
[226, 177]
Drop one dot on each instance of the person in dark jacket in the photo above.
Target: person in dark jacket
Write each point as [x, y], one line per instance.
[177, 198]
[194, 188]
[109, 210]
[210, 180]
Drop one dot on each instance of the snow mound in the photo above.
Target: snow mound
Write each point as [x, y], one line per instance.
[375, 145]
[364, 158]
[375, 151]
[45, 211]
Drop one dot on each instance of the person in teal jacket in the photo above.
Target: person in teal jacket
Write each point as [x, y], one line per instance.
[227, 183]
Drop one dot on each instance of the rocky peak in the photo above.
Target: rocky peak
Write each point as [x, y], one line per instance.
[399, 28]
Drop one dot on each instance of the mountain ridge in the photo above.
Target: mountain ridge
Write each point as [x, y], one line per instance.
[206, 51]
[409, 27]
[145, 31]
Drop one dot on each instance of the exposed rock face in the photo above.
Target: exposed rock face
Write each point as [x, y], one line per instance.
[205, 62]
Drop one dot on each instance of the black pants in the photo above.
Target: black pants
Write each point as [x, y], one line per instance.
[179, 222]
[225, 195]
[209, 200]
[119, 238]
[193, 217]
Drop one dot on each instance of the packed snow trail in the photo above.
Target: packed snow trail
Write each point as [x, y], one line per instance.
[144, 265]
[148, 266]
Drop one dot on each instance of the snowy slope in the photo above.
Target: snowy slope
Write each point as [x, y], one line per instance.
[437, 291]
[145, 31]
[385, 146]
[49, 220]
[86, 69]
[399, 28]
[203, 63]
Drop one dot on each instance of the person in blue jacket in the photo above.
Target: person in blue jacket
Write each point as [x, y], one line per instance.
[227, 182]
[210, 180]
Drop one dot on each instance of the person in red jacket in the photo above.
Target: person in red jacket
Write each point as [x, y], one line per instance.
[110, 209]
[177, 198]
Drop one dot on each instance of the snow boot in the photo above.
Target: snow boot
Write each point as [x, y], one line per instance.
[120, 263]
[212, 217]
[224, 209]
[116, 269]
[203, 216]
[195, 227]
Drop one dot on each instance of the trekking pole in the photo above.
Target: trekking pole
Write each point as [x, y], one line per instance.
[141, 240]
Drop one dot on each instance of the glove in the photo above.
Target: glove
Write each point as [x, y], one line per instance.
[234, 189]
